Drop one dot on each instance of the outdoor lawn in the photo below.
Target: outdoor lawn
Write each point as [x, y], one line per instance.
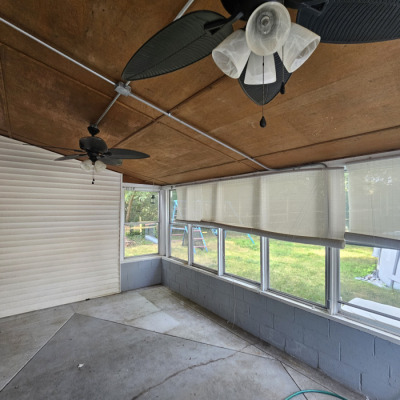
[295, 269]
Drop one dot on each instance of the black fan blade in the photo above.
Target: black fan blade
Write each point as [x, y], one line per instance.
[70, 157]
[178, 45]
[351, 21]
[255, 92]
[126, 154]
[110, 161]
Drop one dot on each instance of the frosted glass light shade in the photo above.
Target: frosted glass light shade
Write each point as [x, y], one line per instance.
[99, 166]
[231, 54]
[268, 28]
[299, 46]
[254, 71]
[87, 165]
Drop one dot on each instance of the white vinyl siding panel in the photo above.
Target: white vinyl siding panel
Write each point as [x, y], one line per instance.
[59, 234]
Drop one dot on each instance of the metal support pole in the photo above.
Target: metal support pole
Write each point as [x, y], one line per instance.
[221, 251]
[264, 247]
[332, 279]
[190, 244]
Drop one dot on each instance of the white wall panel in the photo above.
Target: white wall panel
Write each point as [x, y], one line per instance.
[59, 234]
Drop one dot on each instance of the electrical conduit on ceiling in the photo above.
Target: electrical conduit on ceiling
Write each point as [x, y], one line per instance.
[168, 114]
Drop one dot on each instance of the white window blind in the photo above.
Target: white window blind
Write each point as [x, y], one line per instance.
[306, 206]
[374, 203]
[59, 234]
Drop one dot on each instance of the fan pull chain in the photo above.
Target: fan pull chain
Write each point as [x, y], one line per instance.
[263, 122]
[283, 89]
[93, 176]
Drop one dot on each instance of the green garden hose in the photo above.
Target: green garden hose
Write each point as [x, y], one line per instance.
[315, 391]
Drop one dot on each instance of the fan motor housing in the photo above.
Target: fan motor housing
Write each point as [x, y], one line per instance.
[245, 6]
[92, 144]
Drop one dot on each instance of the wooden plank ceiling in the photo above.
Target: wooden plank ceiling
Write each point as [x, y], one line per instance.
[344, 101]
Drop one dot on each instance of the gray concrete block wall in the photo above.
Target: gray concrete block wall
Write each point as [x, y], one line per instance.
[140, 273]
[362, 361]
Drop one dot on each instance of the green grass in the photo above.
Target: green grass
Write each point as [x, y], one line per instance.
[356, 261]
[295, 269]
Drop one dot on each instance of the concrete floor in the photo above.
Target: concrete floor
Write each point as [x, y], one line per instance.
[145, 344]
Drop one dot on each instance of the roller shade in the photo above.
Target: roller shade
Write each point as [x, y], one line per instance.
[306, 206]
[59, 234]
[374, 203]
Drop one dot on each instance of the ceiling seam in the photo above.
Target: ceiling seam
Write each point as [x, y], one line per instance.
[72, 79]
[4, 95]
[204, 168]
[151, 105]
[332, 141]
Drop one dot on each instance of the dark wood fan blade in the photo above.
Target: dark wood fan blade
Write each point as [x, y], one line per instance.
[351, 21]
[178, 45]
[110, 161]
[70, 157]
[126, 154]
[255, 92]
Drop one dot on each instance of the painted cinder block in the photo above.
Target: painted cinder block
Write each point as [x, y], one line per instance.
[245, 322]
[289, 329]
[272, 336]
[260, 314]
[312, 322]
[254, 298]
[302, 352]
[281, 309]
[240, 306]
[238, 292]
[223, 287]
[377, 389]
[322, 343]
[387, 352]
[343, 373]
[356, 347]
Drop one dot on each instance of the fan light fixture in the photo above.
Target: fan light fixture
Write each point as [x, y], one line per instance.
[231, 55]
[269, 30]
[298, 48]
[255, 70]
[87, 165]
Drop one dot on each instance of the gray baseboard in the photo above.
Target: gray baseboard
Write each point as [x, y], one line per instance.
[140, 273]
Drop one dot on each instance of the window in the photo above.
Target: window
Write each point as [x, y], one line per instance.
[205, 247]
[242, 255]
[298, 270]
[179, 241]
[370, 280]
[141, 224]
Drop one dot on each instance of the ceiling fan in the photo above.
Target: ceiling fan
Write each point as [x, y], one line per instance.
[264, 55]
[97, 152]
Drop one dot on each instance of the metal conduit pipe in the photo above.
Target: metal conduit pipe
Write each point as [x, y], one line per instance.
[55, 50]
[137, 97]
[184, 9]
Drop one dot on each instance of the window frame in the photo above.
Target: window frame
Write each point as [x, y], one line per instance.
[332, 304]
[141, 188]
